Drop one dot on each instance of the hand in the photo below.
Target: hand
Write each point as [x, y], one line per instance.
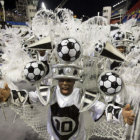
[128, 115]
[4, 93]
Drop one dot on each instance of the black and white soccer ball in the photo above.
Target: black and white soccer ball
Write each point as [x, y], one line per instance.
[34, 71]
[110, 83]
[131, 38]
[99, 47]
[69, 50]
[119, 35]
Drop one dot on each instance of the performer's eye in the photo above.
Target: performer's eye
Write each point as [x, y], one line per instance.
[61, 80]
[66, 80]
[69, 80]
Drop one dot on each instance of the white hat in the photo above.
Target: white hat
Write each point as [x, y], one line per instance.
[70, 71]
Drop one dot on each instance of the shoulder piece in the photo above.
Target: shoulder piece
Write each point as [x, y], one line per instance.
[44, 94]
[88, 100]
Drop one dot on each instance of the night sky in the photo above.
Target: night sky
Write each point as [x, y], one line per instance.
[82, 7]
[10, 4]
[79, 7]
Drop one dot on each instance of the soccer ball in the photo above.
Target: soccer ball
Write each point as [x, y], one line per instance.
[119, 36]
[110, 83]
[132, 38]
[69, 50]
[34, 71]
[99, 47]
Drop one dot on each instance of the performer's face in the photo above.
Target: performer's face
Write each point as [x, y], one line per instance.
[66, 86]
[42, 52]
[121, 49]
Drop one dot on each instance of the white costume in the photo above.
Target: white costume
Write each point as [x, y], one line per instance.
[64, 119]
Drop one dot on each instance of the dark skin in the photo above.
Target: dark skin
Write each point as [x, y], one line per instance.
[66, 86]
[121, 49]
[42, 52]
[4, 93]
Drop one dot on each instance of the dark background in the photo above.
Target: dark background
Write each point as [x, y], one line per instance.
[79, 7]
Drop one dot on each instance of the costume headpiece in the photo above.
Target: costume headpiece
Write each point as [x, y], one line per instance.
[70, 71]
[68, 51]
[70, 38]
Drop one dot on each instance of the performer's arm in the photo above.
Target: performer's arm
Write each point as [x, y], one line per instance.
[97, 111]
[12, 96]
[21, 97]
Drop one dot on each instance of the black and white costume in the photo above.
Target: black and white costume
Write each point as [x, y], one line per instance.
[73, 42]
[64, 119]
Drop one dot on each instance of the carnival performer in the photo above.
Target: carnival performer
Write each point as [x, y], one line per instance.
[64, 119]
[127, 37]
[66, 102]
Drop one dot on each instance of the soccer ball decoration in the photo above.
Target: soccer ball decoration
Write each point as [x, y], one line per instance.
[69, 50]
[132, 38]
[34, 71]
[110, 83]
[118, 36]
[99, 47]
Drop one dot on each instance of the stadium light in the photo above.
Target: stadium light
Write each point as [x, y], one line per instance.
[118, 3]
